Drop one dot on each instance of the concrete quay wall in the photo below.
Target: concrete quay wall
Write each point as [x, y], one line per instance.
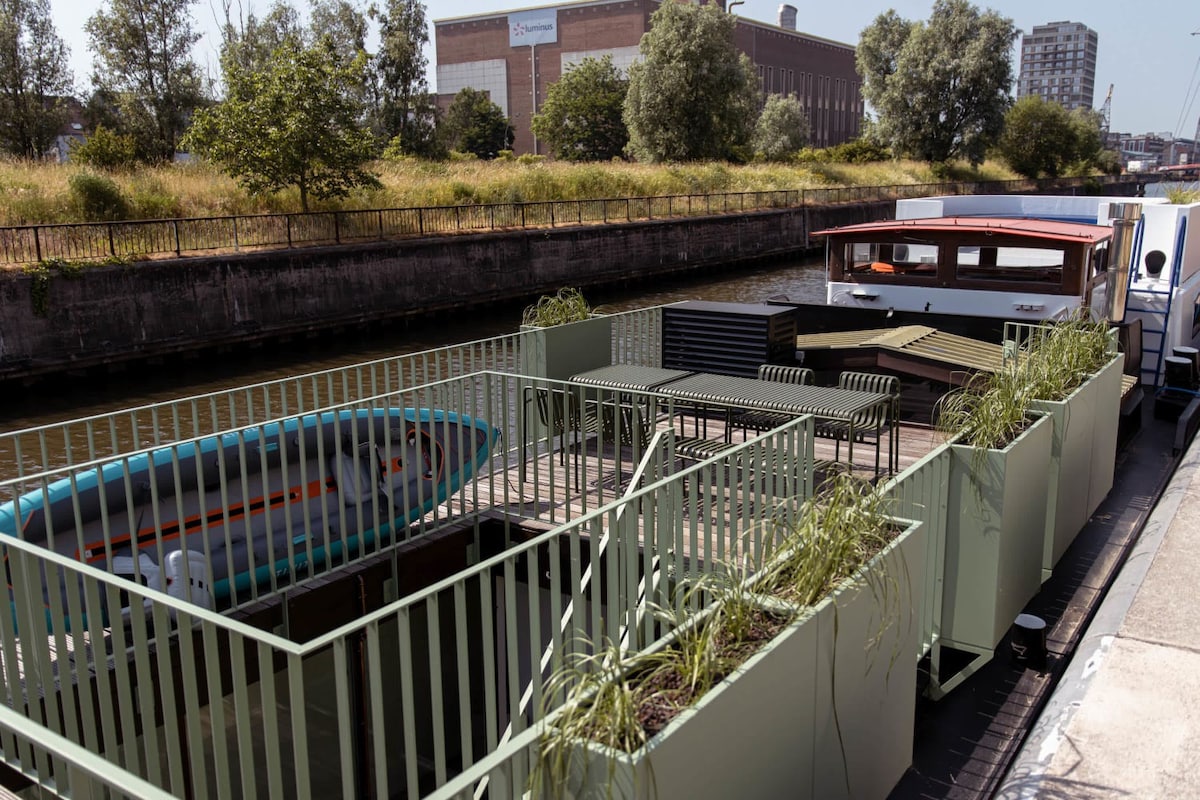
[58, 322]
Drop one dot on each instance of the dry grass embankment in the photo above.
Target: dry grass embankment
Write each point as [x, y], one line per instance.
[32, 193]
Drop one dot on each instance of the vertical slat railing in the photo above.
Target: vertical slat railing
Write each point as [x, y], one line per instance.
[177, 696]
[921, 493]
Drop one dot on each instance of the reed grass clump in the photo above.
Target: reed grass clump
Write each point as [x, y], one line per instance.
[836, 533]
[991, 410]
[567, 305]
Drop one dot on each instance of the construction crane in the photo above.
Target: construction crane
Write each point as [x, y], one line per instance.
[1106, 113]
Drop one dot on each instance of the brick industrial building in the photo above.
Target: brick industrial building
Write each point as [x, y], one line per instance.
[516, 55]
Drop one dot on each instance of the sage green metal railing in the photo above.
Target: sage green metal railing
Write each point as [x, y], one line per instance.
[403, 699]
[920, 493]
[636, 339]
[176, 237]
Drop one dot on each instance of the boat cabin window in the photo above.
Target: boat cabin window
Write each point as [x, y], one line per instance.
[1099, 260]
[1023, 264]
[880, 259]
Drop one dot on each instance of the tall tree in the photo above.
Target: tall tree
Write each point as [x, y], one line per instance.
[474, 124]
[249, 42]
[581, 117]
[940, 88]
[406, 113]
[34, 78]
[294, 124]
[143, 60]
[693, 96]
[782, 128]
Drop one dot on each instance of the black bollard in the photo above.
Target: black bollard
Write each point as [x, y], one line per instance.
[1029, 642]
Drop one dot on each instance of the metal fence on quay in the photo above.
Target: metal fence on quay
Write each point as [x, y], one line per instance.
[636, 339]
[28, 244]
[401, 700]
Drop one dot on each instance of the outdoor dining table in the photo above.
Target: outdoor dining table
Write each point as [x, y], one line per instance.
[634, 377]
[823, 402]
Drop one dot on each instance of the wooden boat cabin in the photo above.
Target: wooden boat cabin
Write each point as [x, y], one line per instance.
[990, 266]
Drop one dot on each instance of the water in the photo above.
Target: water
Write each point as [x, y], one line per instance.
[798, 280]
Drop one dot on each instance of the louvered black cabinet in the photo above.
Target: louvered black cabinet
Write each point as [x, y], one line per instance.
[727, 338]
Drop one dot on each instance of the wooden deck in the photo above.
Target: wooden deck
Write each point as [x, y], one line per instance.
[583, 478]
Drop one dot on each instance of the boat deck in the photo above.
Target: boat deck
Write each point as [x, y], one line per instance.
[584, 478]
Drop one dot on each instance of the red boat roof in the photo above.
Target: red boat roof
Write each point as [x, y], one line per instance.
[1031, 228]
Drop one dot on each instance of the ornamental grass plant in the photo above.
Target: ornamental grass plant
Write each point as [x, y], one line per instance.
[567, 305]
[620, 700]
[992, 409]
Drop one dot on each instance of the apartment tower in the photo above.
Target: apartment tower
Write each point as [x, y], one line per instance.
[1058, 63]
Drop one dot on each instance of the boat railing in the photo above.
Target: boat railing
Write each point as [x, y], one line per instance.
[636, 339]
[399, 699]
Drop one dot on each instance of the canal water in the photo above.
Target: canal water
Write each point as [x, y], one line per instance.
[799, 280]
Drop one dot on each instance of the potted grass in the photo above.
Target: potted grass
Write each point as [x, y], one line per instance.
[1074, 376]
[996, 507]
[561, 336]
[802, 675]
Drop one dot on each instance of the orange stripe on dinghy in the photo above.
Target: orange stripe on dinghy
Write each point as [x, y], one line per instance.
[196, 522]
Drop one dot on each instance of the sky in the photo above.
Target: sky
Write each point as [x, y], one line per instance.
[1147, 50]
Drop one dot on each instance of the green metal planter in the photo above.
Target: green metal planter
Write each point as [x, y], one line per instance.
[560, 351]
[1082, 457]
[825, 710]
[995, 537]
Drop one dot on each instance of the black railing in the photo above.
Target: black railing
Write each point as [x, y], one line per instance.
[27, 244]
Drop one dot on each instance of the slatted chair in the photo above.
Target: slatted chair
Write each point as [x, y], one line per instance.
[769, 420]
[870, 425]
[560, 412]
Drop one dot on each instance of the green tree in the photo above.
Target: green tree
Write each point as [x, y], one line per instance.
[1037, 138]
[1042, 138]
[941, 88]
[250, 41]
[474, 124]
[581, 117]
[143, 61]
[781, 130]
[406, 114]
[294, 124]
[34, 78]
[1088, 139]
[693, 96]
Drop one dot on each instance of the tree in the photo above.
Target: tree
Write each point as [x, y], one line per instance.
[1037, 138]
[34, 78]
[581, 117]
[474, 124]
[1042, 138]
[250, 42]
[143, 60]
[693, 96]
[782, 128]
[294, 124]
[940, 89]
[406, 114]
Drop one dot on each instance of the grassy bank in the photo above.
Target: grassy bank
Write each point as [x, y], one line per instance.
[40, 193]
